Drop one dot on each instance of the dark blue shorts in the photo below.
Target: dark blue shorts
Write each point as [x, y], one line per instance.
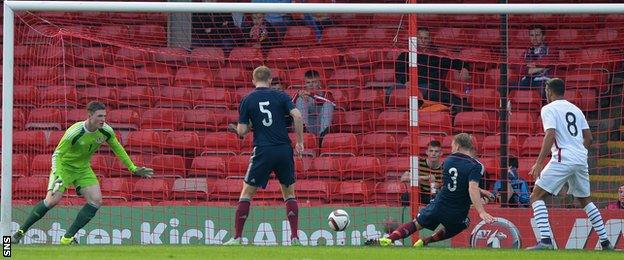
[267, 159]
[429, 218]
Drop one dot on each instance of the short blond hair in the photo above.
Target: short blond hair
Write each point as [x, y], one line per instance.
[463, 140]
[262, 74]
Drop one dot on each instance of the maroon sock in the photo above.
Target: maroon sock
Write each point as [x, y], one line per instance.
[242, 211]
[439, 235]
[403, 231]
[292, 213]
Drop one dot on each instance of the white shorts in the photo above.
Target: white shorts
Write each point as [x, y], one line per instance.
[555, 175]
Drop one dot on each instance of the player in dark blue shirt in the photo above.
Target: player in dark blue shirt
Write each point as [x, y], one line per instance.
[263, 111]
[461, 177]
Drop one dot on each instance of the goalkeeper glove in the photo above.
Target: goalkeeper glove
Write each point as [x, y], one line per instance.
[144, 172]
[58, 183]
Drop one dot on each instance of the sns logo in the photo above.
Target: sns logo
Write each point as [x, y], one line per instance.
[499, 234]
[6, 246]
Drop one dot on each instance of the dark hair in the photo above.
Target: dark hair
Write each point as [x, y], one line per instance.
[556, 85]
[95, 106]
[435, 143]
[538, 26]
[422, 29]
[312, 74]
[513, 162]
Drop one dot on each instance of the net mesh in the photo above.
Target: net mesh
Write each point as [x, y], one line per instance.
[172, 82]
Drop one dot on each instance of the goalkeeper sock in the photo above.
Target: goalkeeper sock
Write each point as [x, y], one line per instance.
[403, 231]
[292, 213]
[242, 211]
[35, 215]
[84, 216]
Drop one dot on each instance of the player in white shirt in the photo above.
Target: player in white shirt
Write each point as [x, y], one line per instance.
[567, 138]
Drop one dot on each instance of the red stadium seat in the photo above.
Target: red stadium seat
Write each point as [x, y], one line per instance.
[58, 96]
[299, 36]
[362, 168]
[21, 165]
[123, 119]
[237, 165]
[368, 99]
[167, 165]
[126, 57]
[271, 193]
[346, 77]
[116, 76]
[247, 57]
[492, 167]
[283, 58]
[491, 146]
[208, 57]
[522, 123]
[162, 119]
[334, 36]
[29, 141]
[399, 98]
[585, 99]
[325, 167]
[310, 143]
[209, 166]
[211, 98]
[479, 122]
[151, 34]
[135, 96]
[38, 34]
[352, 192]
[376, 37]
[525, 100]
[320, 57]
[532, 145]
[151, 189]
[487, 37]
[382, 78]
[54, 139]
[25, 96]
[393, 122]
[50, 55]
[119, 169]
[203, 119]
[182, 143]
[484, 99]
[23, 54]
[33, 187]
[232, 78]
[313, 190]
[190, 189]
[172, 56]
[389, 192]
[378, 144]
[228, 189]
[93, 56]
[434, 122]
[105, 95]
[41, 76]
[361, 121]
[174, 97]
[339, 144]
[144, 141]
[101, 164]
[45, 118]
[41, 165]
[221, 143]
[194, 78]
[117, 188]
[155, 75]
[396, 166]
[19, 118]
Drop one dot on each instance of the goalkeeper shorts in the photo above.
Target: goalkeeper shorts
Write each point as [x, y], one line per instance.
[79, 179]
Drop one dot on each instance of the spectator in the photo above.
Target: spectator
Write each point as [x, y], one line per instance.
[429, 173]
[260, 33]
[216, 30]
[517, 188]
[431, 69]
[316, 105]
[620, 203]
[279, 21]
[536, 73]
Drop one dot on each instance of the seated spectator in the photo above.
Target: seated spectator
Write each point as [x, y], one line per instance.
[535, 71]
[620, 203]
[216, 30]
[260, 33]
[517, 188]
[429, 173]
[431, 70]
[316, 105]
[279, 21]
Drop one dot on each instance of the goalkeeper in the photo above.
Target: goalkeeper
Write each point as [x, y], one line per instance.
[71, 165]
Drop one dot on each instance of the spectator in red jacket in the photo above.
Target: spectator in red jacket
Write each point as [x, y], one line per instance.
[620, 203]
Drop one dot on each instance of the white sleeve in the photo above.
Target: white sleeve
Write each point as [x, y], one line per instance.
[583, 122]
[548, 119]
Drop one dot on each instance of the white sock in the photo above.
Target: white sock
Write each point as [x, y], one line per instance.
[593, 214]
[540, 214]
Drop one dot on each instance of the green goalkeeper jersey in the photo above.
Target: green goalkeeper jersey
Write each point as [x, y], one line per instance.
[78, 145]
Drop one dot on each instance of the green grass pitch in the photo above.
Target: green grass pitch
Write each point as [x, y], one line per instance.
[279, 252]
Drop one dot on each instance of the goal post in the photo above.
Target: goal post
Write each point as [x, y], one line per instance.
[364, 108]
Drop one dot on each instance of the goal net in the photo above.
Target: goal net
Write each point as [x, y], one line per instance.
[172, 82]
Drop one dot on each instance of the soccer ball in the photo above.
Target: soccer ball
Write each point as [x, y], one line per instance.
[338, 220]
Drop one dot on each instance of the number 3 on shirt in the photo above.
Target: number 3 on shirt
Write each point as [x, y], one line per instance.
[452, 186]
[269, 120]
